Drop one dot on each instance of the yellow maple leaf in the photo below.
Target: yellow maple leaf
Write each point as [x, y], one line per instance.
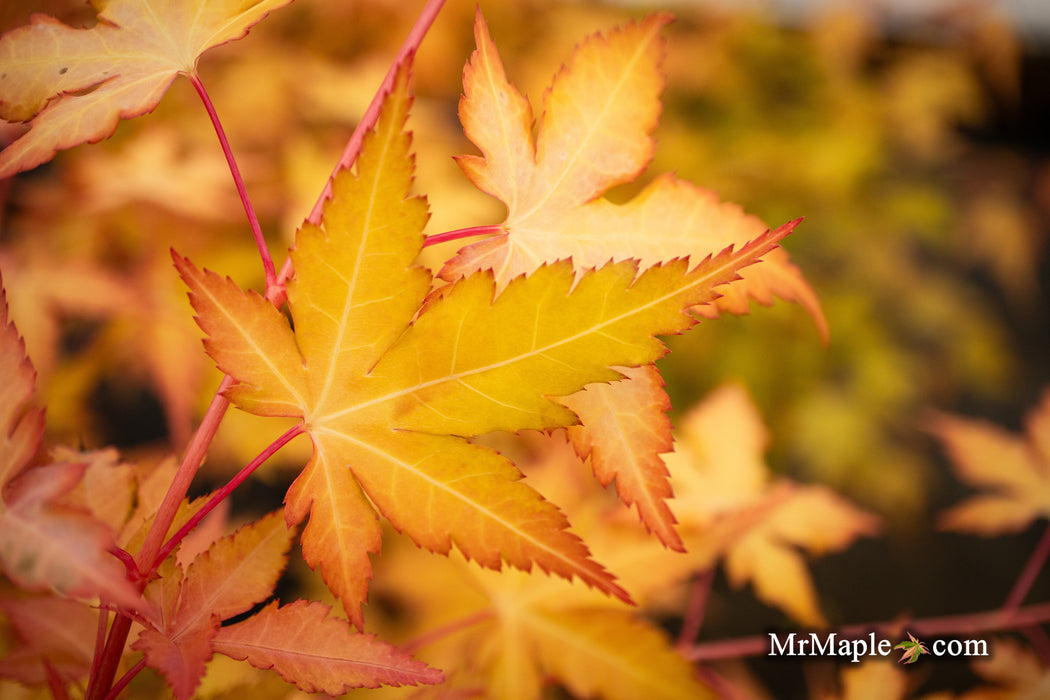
[595, 133]
[1012, 469]
[75, 84]
[718, 471]
[388, 397]
[510, 633]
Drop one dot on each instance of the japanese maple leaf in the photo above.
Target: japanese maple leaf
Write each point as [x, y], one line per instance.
[718, 471]
[45, 543]
[516, 632]
[594, 134]
[235, 573]
[227, 579]
[73, 85]
[913, 649]
[1014, 470]
[388, 398]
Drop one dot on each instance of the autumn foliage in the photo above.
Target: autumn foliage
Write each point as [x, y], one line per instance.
[480, 488]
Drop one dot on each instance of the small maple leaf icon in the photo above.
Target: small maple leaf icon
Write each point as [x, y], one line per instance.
[912, 650]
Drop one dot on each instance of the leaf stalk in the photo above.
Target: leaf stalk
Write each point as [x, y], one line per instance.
[463, 233]
[253, 220]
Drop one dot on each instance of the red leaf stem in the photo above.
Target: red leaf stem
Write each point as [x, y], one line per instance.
[220, 495]
[253, 220]
[462, 233]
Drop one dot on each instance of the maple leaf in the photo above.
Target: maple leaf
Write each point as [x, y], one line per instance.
[76, 84]
[44, 543]
[718, 471]
[319, 653]
[227, 579]
[594, 134]
[913, 649]
[388, 398]
[515, 632]
[623, 429]
[1014, 470]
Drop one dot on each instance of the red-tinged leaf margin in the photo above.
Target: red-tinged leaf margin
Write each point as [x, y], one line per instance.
[21, 428]
[318, 653]
[624, 429]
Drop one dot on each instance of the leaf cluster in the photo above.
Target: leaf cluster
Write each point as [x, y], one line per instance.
[490, 418]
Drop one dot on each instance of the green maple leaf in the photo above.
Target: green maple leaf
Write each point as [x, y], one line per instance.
[913, 649]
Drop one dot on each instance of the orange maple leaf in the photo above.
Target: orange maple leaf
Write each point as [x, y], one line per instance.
[320, 654]
[624, 429]
[388, 398]
[74, 85]
[1014, 470]
[298, 641]
[227, 579]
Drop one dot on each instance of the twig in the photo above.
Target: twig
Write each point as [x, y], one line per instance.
[694, 612]
[1028, 574]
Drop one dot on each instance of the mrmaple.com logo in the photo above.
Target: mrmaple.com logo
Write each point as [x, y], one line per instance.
[855, 648]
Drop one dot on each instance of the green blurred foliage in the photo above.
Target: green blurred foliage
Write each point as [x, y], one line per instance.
[918, 239]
